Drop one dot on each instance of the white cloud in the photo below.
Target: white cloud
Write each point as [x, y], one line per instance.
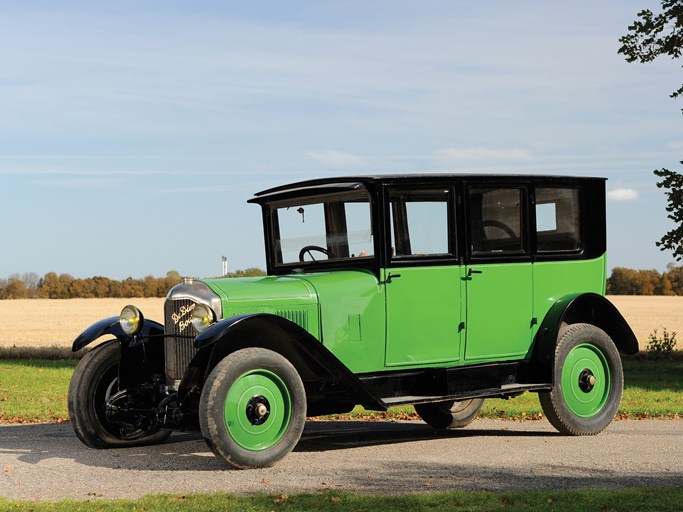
[469, 154]
[336, 158]
[622, 194]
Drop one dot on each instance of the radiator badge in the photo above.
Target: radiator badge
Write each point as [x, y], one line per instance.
[180, 319]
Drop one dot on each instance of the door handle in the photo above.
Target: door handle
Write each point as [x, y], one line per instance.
[470, 272]
[392, 276]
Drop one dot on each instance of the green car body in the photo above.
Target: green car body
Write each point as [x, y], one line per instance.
[437, 291]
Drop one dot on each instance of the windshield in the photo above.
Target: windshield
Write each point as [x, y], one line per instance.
[330, 227]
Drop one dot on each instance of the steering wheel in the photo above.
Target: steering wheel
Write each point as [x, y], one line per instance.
[309, 248]
[497, 224]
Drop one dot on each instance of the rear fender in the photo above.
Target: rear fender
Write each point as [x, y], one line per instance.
[319, 369]
[589, 308]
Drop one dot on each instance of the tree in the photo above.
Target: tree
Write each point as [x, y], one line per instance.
[673, 239]
[15, 288]
[654, 35]
[651, 36]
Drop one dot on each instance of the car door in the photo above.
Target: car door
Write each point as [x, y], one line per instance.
[423, 280]
[499, 275]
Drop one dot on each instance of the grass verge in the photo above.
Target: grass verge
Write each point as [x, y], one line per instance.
[644, 500]
[34, 391]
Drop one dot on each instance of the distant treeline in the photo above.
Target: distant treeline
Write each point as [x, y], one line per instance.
[623, 281]
[64, 286]
[626, 281]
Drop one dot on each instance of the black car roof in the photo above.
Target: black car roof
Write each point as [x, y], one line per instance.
[338, 183]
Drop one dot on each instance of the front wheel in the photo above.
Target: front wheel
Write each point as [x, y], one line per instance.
[253, 408]
[451, 414]
[94, 381]
[588, 382]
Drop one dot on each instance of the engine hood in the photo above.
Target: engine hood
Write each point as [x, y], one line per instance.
[289, 290]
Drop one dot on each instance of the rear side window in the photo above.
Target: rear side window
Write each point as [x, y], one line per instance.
[496, 220]
[558, 223]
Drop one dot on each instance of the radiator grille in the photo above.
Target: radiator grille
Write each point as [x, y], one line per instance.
[179, 347]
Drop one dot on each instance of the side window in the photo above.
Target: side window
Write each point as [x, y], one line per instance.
[419, 223]
[359, 229]
[558, 226]
[496, 220]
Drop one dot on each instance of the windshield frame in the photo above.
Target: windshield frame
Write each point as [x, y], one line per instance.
[336, 233]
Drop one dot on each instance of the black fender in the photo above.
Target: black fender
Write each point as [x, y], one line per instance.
[110, 326]
[319, 368]
[589, 308]
[142, 354]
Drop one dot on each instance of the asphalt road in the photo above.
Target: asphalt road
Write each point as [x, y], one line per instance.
[47, 462]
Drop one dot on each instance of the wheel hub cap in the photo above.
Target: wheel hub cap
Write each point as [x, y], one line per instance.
[258, 409]
[586, 380]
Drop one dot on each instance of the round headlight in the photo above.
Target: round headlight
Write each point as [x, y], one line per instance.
[202, 317]
[131, 320]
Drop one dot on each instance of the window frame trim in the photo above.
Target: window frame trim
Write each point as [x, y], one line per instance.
[452, 257]
[526, 254]
[561, 254]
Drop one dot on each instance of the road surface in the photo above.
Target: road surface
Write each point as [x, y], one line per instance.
[47, 462]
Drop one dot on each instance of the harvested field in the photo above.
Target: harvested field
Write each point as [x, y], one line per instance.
[57, 322]
[46, 323]
[645, 314]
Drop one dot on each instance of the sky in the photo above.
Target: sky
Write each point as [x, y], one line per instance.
[133, 133]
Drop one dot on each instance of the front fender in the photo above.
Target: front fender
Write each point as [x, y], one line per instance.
[313, 361]
[110, 326]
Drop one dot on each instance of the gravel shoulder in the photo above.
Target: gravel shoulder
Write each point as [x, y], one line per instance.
[47, 462]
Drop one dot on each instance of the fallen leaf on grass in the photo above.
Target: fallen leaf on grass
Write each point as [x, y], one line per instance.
[282, 498]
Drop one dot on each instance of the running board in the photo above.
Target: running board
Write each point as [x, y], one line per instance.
[504, 391]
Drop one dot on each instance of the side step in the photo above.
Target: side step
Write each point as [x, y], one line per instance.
[504, 391]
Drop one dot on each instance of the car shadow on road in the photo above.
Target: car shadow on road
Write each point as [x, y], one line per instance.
[340, 435]
[185, 451]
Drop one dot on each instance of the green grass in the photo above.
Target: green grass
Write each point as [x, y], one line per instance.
[35, 391]
[643, 500]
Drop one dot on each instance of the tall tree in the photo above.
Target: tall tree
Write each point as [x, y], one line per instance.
[651, 36]
[673, 239]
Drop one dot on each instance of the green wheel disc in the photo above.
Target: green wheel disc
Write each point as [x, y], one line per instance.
[585, 380]
[258, 410]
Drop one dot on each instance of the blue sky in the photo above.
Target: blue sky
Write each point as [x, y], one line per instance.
[132, 133]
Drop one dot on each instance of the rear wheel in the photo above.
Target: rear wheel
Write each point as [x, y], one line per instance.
[451, 414]
[253, 408]
[588, 382]
[94, 381]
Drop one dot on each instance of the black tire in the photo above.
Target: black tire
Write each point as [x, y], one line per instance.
[451, 414]
[588, 382]
[253, 408]
[94, 380]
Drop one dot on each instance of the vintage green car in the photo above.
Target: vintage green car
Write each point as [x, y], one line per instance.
[432, 290]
